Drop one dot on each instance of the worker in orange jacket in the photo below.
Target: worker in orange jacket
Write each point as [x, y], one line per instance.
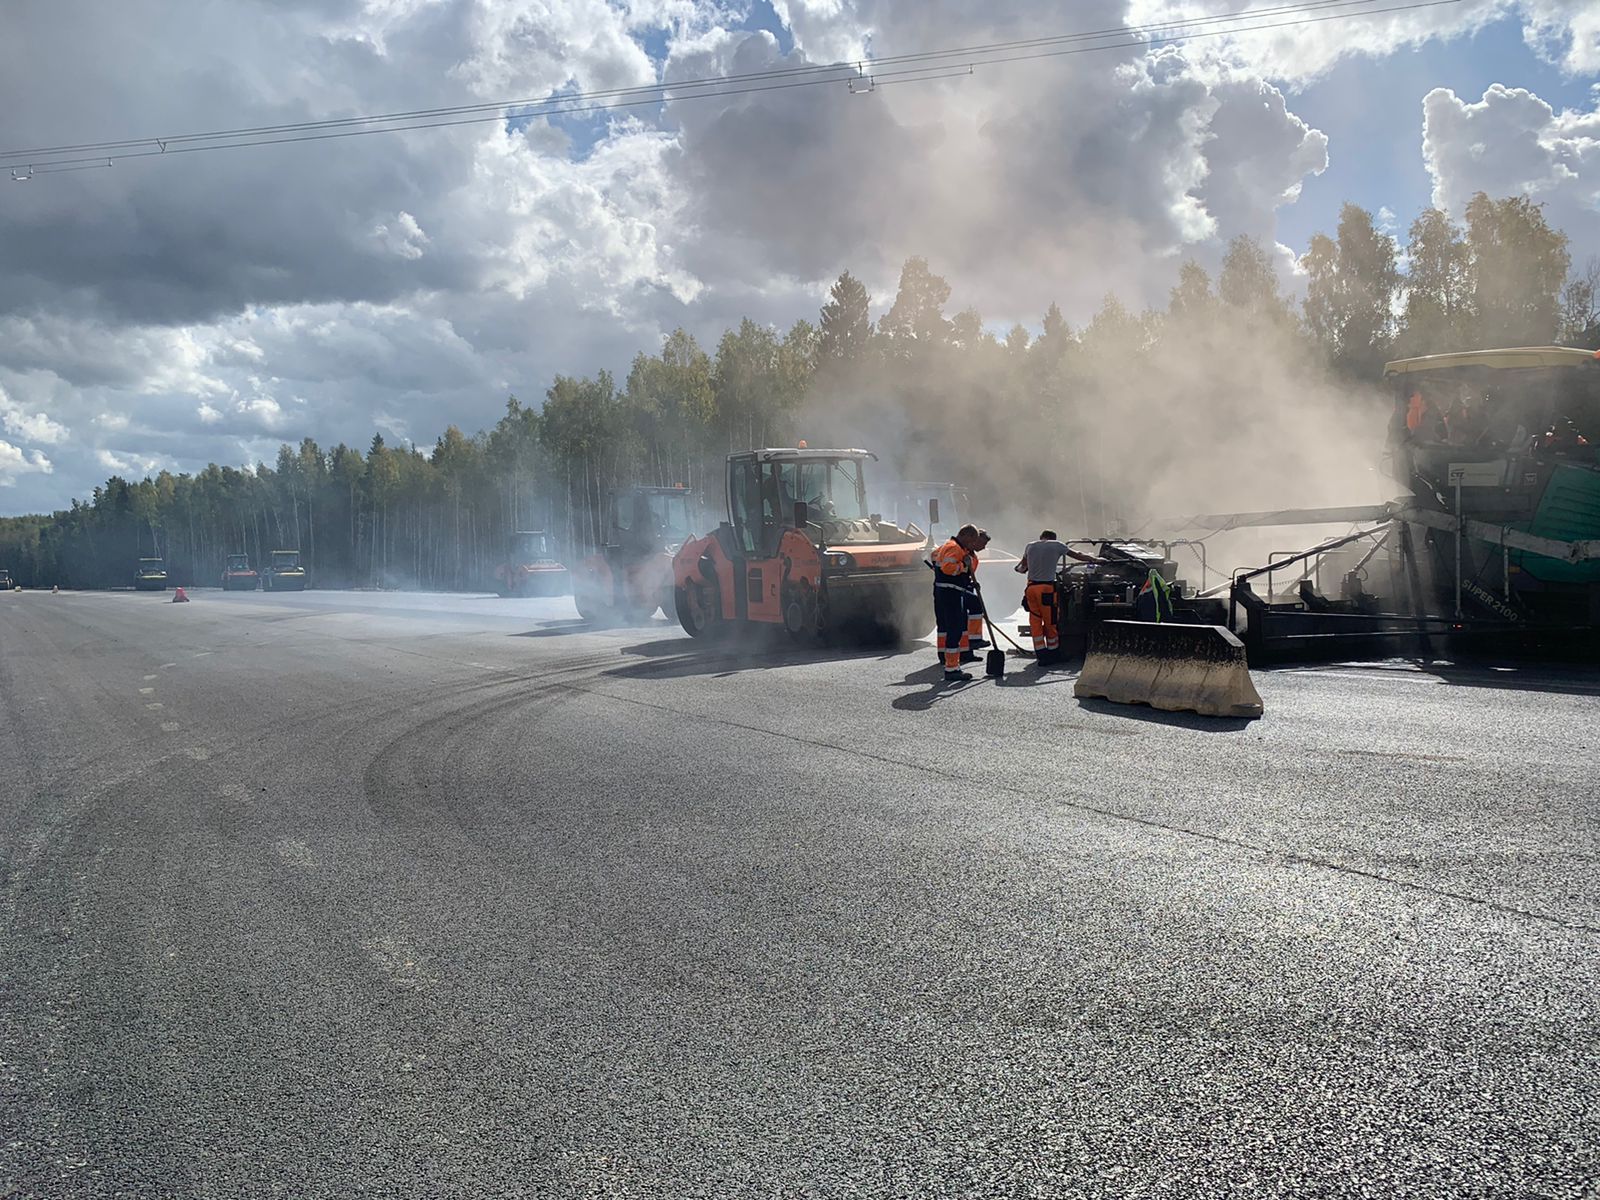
[955, 595]
[975, 640]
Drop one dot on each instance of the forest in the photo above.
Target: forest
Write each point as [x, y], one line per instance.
[1231, 394]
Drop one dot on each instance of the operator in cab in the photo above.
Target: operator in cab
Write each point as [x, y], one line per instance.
[955, 598]
[1038, 562]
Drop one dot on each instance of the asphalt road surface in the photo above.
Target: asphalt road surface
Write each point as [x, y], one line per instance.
[347, 894]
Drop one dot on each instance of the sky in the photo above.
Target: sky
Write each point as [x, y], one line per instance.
[168, 312]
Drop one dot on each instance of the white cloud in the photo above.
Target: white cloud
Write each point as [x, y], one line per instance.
[403, 237]
[199, 306]
[1566, 32]
[15, 462]
[34, 427]
[129, 464]
[1513, 143]
[259, 407]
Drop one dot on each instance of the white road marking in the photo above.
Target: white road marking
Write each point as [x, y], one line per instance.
[170, 727]
[294, 852]
[165, 666]
[157, 704]
[152, 677]
[146, 691]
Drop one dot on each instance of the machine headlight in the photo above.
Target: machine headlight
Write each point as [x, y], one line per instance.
[837, 558]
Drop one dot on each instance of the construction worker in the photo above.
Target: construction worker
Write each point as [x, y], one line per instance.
[1423, 418]
[955, 588]
[1038, 562]
[974, 640]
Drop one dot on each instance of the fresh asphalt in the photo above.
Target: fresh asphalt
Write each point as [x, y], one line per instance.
[349, 894]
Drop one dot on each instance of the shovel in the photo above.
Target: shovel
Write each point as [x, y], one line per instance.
[994, 663]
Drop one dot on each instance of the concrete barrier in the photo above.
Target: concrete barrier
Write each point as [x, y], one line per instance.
[1173, 667]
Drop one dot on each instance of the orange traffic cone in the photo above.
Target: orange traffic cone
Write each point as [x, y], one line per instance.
[179, 596]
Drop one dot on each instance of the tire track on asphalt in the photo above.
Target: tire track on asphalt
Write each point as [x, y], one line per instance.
[424, 748]
[1111, 814]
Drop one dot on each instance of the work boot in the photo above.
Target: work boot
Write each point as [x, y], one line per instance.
[957, 677]
[967, 656]
[979, 644]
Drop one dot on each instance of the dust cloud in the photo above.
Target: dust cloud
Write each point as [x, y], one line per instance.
[1117, 429]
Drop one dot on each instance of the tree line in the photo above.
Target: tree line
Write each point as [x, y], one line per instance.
[1128, 410]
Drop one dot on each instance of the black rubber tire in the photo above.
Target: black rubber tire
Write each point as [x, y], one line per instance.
[601, 616]
[703, 619]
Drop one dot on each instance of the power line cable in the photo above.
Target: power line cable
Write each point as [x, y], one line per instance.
[856, 68]
[858, 76]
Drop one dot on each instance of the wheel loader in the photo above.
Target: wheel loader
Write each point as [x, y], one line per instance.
[800, 552]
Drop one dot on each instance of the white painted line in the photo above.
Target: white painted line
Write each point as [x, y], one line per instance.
[157, 704]
[152, 677]
[170, 727]
[146, 691]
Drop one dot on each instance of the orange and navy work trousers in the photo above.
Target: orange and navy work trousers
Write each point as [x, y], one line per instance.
[950, 613]
[1041, 601]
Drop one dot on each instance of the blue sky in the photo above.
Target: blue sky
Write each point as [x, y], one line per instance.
[586, 131]
[1372, 114]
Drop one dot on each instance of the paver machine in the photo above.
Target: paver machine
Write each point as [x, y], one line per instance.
[629, 576]
[150, 575]
[284, 572]
[1497, 536]
[531, 567]
[801, 552]
[238, 575]
[1128, 581]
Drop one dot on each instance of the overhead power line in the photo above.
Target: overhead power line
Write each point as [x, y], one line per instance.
[865, 75]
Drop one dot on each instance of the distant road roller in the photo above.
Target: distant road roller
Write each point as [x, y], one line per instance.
[284, 573]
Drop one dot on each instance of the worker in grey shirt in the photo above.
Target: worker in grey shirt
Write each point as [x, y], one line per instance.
[1038, 563]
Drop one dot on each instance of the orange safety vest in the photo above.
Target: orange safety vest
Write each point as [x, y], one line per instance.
[951, 566]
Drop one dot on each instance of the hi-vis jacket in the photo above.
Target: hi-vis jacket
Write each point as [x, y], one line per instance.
[954, 567]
